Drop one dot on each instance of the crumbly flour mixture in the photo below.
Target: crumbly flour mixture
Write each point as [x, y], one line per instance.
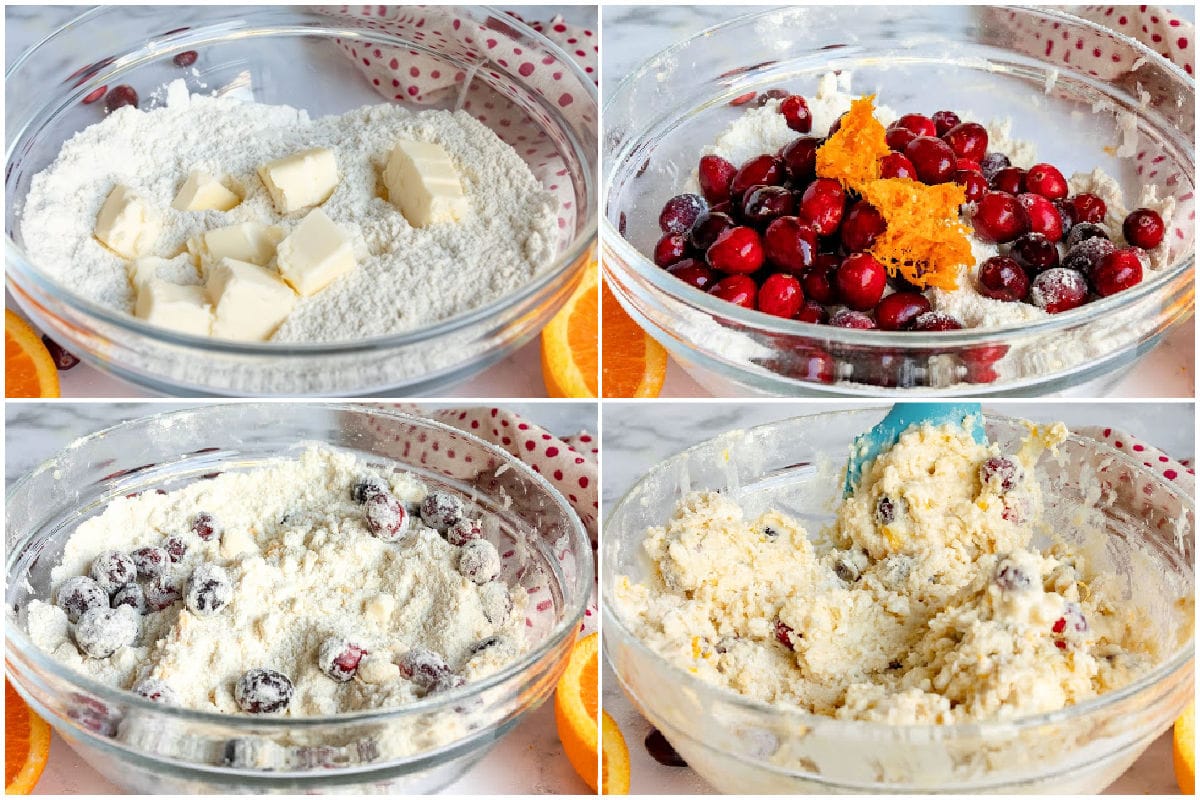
[924, 603]
[305, 586]
[406, 277]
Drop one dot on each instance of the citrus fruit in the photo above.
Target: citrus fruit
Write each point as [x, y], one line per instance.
[1185, 750]
[616, 758]
[570, 351]
[26, 744]
[634, 364]
[577, 713]
[29, 370]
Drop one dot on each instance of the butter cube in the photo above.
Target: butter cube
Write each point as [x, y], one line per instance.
[172, 270]
[251, 242]
[421, 181]
[127, 224]
[202, 192]
[249, 302]
[315, 254]
[169, 305]
[301, 179]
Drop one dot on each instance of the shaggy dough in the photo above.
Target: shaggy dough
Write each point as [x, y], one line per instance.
[943, 614]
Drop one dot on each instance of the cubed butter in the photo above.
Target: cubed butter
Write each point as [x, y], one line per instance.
[172, 270]
[202, 192]
[421, 181]
[251, 242]
[300, 180]
[127, 224]
[169, 305]
[315, 254]
[249, 302]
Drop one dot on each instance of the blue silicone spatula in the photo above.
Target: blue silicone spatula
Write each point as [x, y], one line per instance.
[870, 445]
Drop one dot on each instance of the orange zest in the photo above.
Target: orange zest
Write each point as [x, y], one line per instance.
[1185, 750]
[570, 343]
[852, 155]
[26, 744]
[634, 364]
[29, 370]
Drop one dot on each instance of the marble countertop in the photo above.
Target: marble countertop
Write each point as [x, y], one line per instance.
[529, 760]
[638, 435]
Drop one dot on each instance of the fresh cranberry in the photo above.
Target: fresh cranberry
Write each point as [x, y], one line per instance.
[1046, 180]
[769, 95]
[968, 140]
[861, 281]
[992, 163]
[161, 593]
[897, 165]
[708, 227]
[1116, 272]
[760, 171]
[132, 596]
[150, 561]
[680, 213]
[967, 165]
[385, 517]
[862, 225]
[175, 547]
[1000, 217]
[156, 691]
[1066, 214]
[464, 530]
[936, 321]
[885, 510]
[671, 248]
[1058, 290]
[205, 526]
[1010, 577]
[783, 634]
[973, 183]
[693, 273]
[79, 594]
[1001, 473]
[122, 95]
[919, 124]
[112, 569]
[800, 159]
[1009, 179]
[823, 203]
[1084, 256]
[898, 138]
[1087, 208]
[1072, 621]
[186, 58]
[736, 250]
[62, 359]
[1001, 278]
[741, 290]
[1043, 216]
[781, 296]
[896, 311]
[1144, 228]
[208, 590]
[762, 204]
[943, 121]
[852, 319]
[1084, 231]
[790, 244]
[365, 487]
[795, 111]
[820, 283]
[715, 175]
[812, 311]
[932, 158]
[1035, 252]
[263, 691]
[339, 658]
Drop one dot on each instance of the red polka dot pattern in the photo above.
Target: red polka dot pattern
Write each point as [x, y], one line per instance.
[1150, 455]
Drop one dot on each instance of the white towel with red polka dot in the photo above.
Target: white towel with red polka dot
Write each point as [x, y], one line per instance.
[1178, 470]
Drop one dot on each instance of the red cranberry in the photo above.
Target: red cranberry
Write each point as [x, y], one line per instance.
[822, 204]
[861, 281]
[679, 213]
[150, 561]
[175, 547]
[898, 138]
[1082, 232]
[814, 312]
[339, 658]
[693, 273]
[1001, 278]
[790, 244]
[708, 227]
[820, 283]
[671, 248]
[835, 127]
[123, 95]
[967, 165]
[736, 250]
[852, 319]
[769, 95]
[783, 634]
[1087, 208]
[186, 58]
[862, 226]
[760, 171]
[800, 159]
[741, 290]
[973, 183]
[936, 321]
[933, 159]
[992, 163]
[1035, 252]
[762, 204]
[1057, 290]
[897, 165]
[967, 140]
[715, 175]
[896, 311]
[1046, 180]
[1084, 256]
[944, 121]
[1043, 216]
[205, 526]
[263, 691]
[1117, 271]
[62, 359]
[795, 111]
[919, 124]
[1009, 179]
[1000, 218]
[1144, 228]
[780, 295]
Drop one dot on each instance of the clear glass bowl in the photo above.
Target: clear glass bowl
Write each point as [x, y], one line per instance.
[745, 746]
[149, 748]
[918, 58]
[288, 55]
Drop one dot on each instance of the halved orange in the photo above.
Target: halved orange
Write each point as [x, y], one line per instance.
[29, 370]
[570, 343]
[26, 744]
[1185, 751]
[615, 756]
[577, 713]
[634, 364]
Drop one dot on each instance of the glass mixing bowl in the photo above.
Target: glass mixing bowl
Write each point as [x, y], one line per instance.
[913, 58]
[746, 746]
[145, 747]
[291, 55]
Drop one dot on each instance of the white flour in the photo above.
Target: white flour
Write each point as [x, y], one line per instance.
[406, 278]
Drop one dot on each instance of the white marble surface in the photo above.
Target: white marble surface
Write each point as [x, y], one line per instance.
[529, 760]
[636, 436]
[632, 34]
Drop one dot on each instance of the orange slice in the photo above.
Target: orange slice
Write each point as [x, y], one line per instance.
[570, 350]
[577, 711]
[26, 744]
[616, 758]
[634, 364]
[1185, 750]
[29, 371]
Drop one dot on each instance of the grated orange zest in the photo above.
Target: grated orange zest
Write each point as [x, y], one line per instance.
[852, 155]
